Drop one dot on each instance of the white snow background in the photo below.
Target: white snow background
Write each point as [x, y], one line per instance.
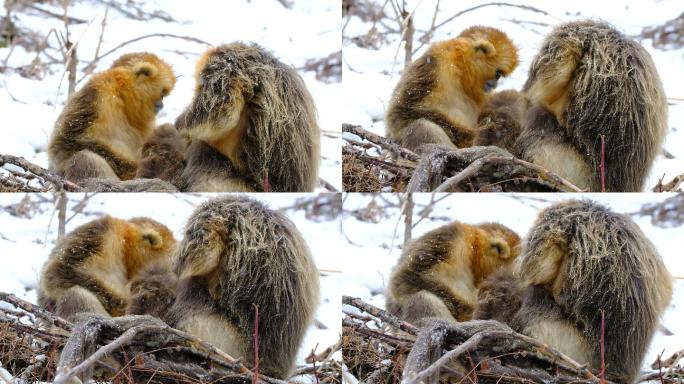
[25, 244]
[370, 75]
[372, 249]
[310, 30]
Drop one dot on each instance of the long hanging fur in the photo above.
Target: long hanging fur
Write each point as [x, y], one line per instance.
[278, 146]
[600, 83]
[588, 259]
[238, 254]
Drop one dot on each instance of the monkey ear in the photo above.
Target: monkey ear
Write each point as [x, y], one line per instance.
[485, 47]
[153, 238]
[144, 69]
[502, 248]
[199, 258]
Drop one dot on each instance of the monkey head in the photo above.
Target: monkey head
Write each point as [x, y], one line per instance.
[154, 79]
[497, 246]
[149, 241]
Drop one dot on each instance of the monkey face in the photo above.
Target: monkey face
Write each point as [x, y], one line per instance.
[141, 82]
[491, 84]
[158, 106]
[158, 74]
[500, 55]
[156, 83]
[153, 81]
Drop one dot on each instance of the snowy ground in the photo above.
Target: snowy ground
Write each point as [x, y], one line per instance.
[373, 249]
[25, 243]
[311, 30]
[371, 75]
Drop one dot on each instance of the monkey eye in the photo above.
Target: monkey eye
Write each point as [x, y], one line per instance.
[498, 74]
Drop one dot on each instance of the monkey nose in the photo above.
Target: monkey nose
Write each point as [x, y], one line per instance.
[158, 106]
[490, 85]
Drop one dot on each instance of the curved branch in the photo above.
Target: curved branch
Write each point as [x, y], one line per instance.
[188, 38]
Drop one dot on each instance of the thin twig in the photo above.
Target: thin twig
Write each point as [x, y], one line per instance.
[525, 168]
[496, 4]
[450, 356]
[394, 148]
[377, 312]
[188, 38]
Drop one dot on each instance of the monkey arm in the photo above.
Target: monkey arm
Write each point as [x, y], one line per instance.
[423, 131]
[499, 298]
[456, 304]
[163, 155]
[77, 300]
[153, 292]
[434, 127]
[545, 142]
[207, 170]
[86, 164]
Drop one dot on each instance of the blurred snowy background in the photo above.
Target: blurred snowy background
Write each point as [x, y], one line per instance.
[374, 51]
[29, 226]
[373, 229]
[34, 85]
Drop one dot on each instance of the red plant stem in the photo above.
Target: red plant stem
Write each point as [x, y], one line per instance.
[255, 378]
[603, 163]
[603, 348]
[267, 185]
[315, 371]
[660, 369]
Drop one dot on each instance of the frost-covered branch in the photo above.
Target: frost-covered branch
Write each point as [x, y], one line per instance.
[37, 346]
[47, 180]
[372, 163]
[377, 347]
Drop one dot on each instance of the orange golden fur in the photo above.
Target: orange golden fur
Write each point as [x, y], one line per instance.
[440, 95]
[131, 59]
[89, 270]
[438, 274]
[104, 125]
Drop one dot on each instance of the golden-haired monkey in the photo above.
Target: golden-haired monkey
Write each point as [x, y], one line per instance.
[252, 123]
[103, 126]
[90, 268]
[440, 95]
[438, 274]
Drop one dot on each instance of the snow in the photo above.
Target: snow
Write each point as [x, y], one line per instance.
[373, 248]
[376, 72]
[310, 30]
[25, 243]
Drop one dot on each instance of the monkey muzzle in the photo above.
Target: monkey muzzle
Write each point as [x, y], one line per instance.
[490, 85]
[158, 106]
